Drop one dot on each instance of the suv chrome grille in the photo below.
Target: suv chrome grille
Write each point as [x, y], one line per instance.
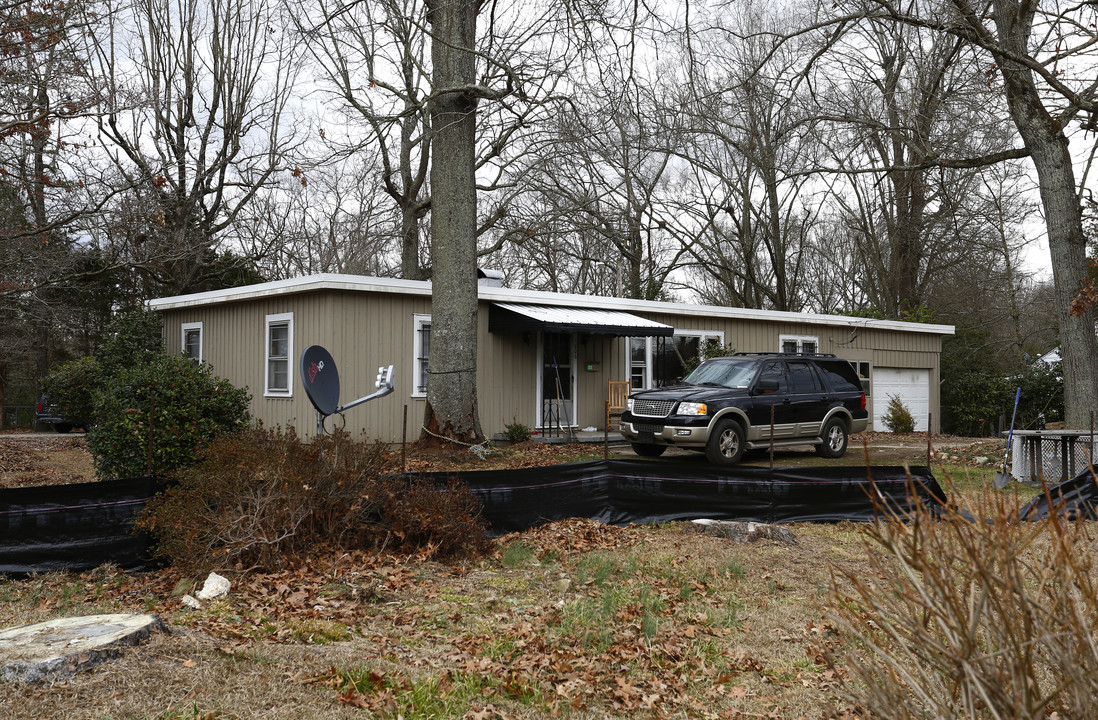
[653, 408]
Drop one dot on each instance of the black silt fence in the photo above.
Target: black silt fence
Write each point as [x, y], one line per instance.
[79, 527]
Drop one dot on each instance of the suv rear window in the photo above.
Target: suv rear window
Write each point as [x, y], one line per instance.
[840, 375]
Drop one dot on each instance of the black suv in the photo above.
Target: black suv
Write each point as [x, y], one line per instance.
[726, 404]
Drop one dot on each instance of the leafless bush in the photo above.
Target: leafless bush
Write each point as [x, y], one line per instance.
[971, 618]
[263, 498]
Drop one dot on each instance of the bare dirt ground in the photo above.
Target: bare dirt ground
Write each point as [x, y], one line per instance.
[53, 459]
[572, 619]
[45, 459]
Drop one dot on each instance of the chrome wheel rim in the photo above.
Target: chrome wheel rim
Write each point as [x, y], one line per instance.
[730, 443]
[835, 438]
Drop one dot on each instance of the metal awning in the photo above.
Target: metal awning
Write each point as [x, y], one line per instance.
[517, 317]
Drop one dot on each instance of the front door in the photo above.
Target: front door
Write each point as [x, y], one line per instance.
[556, 387]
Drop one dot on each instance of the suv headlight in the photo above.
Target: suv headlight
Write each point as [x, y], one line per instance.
[629, 404]
[692, 408]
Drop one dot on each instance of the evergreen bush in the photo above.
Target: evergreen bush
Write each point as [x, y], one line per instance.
[897, 417]
[70, 389]
[151, 418]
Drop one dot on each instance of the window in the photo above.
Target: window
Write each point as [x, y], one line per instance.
[798, 344]
[638, 362]
[421, 350]
[192, 341]
[862, 368]
[803, 378]
[280, 348]
[669, 359]
[774, 371]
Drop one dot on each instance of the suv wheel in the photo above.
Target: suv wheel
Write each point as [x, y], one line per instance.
[648, 449]
[62, 427]
[726, 443]
[834, 439]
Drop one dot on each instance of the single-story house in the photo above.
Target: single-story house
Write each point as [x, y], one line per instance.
[544, 359]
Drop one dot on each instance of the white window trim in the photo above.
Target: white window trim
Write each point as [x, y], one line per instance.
[287, 318]
[703, 334]
[799, 339]
[647, 361]
[201, 338]
[650, 349]
[418, 321]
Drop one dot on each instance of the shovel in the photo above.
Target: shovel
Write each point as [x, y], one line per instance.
[1002, 478]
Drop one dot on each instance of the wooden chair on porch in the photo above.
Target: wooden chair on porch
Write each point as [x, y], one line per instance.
[616, 394]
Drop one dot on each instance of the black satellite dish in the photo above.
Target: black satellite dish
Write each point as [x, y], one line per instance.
[321, 381]
[320, 378]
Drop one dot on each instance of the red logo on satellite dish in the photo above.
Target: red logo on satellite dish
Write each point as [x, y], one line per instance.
[315, 368]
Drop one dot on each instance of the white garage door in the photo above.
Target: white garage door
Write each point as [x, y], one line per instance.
[912, 387]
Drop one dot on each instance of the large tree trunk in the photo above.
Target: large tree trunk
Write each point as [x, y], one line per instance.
[452, 362]
[1044, 138]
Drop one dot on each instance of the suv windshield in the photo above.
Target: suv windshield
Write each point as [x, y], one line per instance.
[724, 372]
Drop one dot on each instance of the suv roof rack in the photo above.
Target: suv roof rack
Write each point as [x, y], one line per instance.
[787, 354]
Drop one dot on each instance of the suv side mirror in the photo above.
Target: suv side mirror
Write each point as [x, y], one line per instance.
[766, 385]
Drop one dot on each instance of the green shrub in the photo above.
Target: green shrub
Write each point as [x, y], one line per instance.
[71, 388]
[259, 498]
[516, 432]
[898, 418]
[133, 337]
[150, 418]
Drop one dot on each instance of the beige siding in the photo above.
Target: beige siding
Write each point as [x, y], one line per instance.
[364, 330]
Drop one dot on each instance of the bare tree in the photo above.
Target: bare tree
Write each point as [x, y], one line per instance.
[195, 98]
[338, 223]
[602, 177]
[374, 54]
[752, 154]
[1040, 57]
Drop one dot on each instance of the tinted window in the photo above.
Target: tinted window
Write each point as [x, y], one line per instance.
[840, 376]
[773, 371]
[802, 378]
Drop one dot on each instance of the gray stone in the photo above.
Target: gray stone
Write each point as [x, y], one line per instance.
[32, 653]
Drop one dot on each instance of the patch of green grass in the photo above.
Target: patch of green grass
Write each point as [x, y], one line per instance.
[510, 585]
[734, 568]
[192, 713]
[517, 554]
[729, 615]
[598, 568]
[398, 695]
[319, 632]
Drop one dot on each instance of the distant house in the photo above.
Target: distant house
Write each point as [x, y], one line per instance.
[544, 358]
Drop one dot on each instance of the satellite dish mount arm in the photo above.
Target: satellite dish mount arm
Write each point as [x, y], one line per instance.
[384, 387]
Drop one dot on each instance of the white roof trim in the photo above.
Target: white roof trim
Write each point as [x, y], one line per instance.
[361, 283]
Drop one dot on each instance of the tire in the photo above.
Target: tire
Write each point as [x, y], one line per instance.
[648, 449]
[834, 439]
[726, 443]
[62, 427]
